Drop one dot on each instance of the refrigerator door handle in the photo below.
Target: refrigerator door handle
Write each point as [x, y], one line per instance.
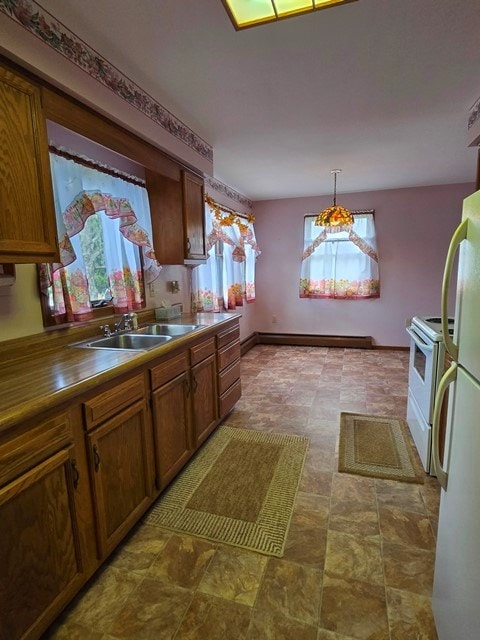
[459, 235]
[448, 377]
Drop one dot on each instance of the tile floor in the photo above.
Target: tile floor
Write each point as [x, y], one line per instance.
[360, 552]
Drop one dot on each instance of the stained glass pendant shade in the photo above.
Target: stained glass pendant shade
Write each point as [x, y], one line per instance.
[335, 218]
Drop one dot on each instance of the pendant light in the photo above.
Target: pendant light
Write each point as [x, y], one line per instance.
[335, 218]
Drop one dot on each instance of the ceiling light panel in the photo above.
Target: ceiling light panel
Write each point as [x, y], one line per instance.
[249, 13]
[289, 7]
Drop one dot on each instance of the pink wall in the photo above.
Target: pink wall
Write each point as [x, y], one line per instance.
[413, 227]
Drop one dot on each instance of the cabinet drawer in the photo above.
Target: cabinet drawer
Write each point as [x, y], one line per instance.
[21, 453]
[228, 355]
[230, 334]
[168, 370]
[202, 350]
[110, 402]
[229, 398]
[227, 377]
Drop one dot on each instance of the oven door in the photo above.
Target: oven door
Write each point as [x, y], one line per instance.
[422, 372]
[421, 433]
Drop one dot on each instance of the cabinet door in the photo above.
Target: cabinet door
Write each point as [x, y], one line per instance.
[204, 390]
[40, 563]
[27, 221]
[165, 197]
[121, 472]
[171, 427]
[194, 216]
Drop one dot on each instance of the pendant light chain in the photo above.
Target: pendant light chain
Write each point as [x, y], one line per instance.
[335, 218]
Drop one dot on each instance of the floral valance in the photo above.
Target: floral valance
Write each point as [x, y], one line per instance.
[364, 246]
[233, 228]
[87, 203]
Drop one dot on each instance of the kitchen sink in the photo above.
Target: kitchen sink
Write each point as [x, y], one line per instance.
[147, 337]
[125, 341]
[172, 330]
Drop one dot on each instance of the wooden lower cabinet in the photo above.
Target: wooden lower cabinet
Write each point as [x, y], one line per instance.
[121, 471]
[228, 365]
[40, 559]
[204, 399]
[172, 427]
[73, 482]
[184, 407]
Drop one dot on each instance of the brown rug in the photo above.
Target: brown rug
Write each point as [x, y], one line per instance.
[239, 489]
[379, 447]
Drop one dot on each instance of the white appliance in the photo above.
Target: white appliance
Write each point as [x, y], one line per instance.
[426, 366]
[456, 591]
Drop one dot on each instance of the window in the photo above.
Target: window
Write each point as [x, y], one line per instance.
[228, 277]
[340, 264]
[104, 230]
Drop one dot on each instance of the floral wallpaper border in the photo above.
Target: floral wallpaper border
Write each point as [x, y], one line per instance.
[474, 114]
[42, 24]
[226, 190]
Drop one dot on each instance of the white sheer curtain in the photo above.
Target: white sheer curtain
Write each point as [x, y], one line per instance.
[342, 264]
[230, 271]
[207, 278]
[123, 207]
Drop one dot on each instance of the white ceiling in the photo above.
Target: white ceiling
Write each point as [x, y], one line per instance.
[378, 88]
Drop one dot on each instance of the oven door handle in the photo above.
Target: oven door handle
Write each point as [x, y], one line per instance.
[418, 341]
[448, 377]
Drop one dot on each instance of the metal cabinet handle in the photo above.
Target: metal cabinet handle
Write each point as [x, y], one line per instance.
[195, 384]
[459, 235]
[448, 377]
[96, 457]
[187, 386]
[189, 246]
[75, 473]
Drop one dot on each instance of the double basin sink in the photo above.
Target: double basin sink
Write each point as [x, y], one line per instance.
[142, 339]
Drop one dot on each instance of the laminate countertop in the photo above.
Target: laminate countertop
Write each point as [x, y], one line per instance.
[43, 381]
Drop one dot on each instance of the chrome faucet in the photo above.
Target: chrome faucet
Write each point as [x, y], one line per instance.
[125, 322]
[128, 321]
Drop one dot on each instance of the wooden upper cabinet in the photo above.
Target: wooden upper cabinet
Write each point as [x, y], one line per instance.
[194, 216]
[27, 221]
[165, 196]
[178, 219]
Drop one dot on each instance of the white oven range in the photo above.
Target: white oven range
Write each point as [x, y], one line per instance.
[427, 362]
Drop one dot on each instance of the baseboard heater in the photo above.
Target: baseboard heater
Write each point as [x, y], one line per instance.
[308, 340]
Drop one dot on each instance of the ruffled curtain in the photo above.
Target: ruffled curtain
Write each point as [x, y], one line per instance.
[231, 276]
[340, 265]
[123, 207]
[207, 278]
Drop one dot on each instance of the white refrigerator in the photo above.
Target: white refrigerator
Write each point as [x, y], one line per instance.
[456, 590]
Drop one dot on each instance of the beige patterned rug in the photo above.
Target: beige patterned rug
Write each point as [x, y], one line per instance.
[239, 489]
[379, 447]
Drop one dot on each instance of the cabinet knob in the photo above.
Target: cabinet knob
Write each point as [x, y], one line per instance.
[189, 246]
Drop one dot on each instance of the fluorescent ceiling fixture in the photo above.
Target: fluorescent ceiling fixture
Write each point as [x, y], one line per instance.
[249, 13]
